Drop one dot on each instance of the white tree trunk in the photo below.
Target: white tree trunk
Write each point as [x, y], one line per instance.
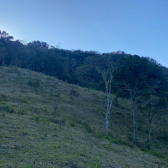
[108, 107]
[134, 116]
[107, 77]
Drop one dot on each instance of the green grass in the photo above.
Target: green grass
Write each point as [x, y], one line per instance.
[46, 122]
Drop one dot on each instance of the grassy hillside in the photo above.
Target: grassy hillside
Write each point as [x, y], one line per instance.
[46, 122]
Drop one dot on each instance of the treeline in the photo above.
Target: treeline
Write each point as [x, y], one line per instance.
[73, 66]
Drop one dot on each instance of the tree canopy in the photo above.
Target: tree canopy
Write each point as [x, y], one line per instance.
[139, 76]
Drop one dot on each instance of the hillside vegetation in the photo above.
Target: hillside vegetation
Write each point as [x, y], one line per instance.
[73, 66]
[46, 122]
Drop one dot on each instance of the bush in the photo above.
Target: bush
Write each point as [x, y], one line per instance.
[6, 107]
[51, 92]
[115, 101]
[79, 121]
[37, 118]
[34, 83]
[22, 111]
[148, 146]
[163, 136]
[57, 95]
[56, 121]
[72, 123]
[46, 121]
[154, 153]
[73, 92]
[87, 127]
[2, 95]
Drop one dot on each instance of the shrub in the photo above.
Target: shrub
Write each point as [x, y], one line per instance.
[34, 83]
[97, 164]
[51, 92]
[163, 136]
[37, 118]
[56, 121]
[62, 121]
[115, 101]
[130, 137]
[55, 146]
[22, 111]
[2, 95]
[87, 127]
[23, 100]
[55, 110]
[73, 92]
[72, 123]
[5, 107]
[154, 153]
[148, 146]
[46, 121]
[12, 110]
[45, 109]
[57, 95]
[79, 121]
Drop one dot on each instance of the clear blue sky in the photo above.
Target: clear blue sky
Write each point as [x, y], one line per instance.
[134, 26]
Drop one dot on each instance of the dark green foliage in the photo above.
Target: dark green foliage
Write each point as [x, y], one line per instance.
[2, 95]
[37, 118]
[74, 92]
[6, 107]
[72, 123]
[77, 67]
[162, 102]
[34, 83]
[79, 121]
[154, 153]
[140, 74]
[87, 127]
[115, 101]
[163, 136]
[135, 76]
[148, 145]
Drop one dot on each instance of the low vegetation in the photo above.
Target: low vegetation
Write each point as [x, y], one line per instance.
[46, 122]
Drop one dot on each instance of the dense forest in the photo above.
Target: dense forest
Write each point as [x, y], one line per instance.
[73, 66]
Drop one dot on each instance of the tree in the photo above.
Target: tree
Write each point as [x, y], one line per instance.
[139, 75]
[5, 36]
[107, 77]
[39, 44]
[151, 107]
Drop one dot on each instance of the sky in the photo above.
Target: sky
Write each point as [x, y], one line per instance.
[133, 26]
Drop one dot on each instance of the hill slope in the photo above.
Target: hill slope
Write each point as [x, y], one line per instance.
[46, 122]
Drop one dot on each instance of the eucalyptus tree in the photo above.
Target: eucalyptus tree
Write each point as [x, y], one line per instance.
[107, 76]
[138, 75]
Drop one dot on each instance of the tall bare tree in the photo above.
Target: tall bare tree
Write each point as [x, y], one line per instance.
[107, 77]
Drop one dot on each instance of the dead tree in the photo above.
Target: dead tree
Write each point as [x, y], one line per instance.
[107, 77]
